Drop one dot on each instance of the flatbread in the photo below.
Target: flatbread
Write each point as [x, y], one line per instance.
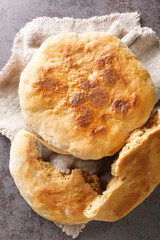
[85, 93]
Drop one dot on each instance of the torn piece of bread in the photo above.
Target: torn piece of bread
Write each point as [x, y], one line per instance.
[56, 196]
[77, 197]
[136, 173]
[83, 94]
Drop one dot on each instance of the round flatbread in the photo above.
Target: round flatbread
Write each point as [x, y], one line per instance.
[85, 93]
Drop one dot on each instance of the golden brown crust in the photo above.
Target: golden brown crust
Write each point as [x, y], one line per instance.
[56, 196]
[72, 80]
[77, 197]
[54, 149]
[136, 173]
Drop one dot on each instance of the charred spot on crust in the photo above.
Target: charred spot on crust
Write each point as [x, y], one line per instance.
[102, 116]
[109, 58]
[93, 84]
[110, 76]
[48, 83]
[85, 117]
[120, 106]
[76, 99]
[98, 97]
[84, 83]
[71, 63]
[100, 63]
[70, 50]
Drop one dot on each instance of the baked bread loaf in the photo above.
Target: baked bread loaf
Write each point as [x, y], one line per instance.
[54, 195]
[77, 197]
[83, 94]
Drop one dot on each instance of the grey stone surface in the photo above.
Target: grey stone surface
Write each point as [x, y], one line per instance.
[17, 220]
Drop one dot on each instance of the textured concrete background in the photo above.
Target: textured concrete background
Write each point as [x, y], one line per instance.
[17, 220]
